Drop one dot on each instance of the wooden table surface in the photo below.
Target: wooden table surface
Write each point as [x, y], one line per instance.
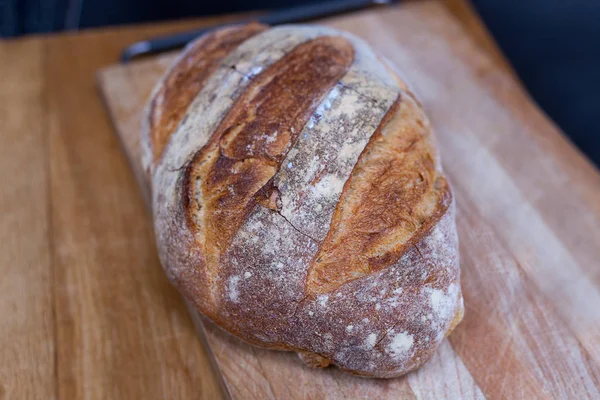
[76, 323]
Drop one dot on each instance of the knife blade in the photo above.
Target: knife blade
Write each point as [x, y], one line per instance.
[284, 16]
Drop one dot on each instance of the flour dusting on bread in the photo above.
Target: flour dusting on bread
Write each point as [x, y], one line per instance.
[300, 203]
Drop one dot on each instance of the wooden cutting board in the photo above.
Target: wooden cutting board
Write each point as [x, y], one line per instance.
[528, 222]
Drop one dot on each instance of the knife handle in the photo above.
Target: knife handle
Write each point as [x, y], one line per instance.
[285, 16]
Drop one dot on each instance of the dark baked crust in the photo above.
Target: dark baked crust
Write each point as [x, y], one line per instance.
[314, 216]
[224, 178]
[185, 79]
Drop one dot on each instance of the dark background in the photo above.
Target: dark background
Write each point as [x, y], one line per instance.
[554, 45]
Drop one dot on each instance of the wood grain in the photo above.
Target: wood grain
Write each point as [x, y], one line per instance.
[528, 221]
[86, 310]
[27, 330]
[99, 287]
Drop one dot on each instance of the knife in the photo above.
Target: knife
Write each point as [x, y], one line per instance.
[283, 16]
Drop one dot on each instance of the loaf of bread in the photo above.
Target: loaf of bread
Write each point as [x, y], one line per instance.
[299, 201]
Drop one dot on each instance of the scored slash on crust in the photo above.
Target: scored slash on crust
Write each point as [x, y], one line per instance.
[322, 123]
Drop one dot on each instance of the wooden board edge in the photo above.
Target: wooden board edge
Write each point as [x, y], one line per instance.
[193, 314]
[100, 78]
[199, 325]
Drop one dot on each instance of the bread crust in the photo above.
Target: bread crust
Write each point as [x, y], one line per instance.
[302, 205]
[182, 82]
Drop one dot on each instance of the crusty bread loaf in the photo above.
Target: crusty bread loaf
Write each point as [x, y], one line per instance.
[299, 201]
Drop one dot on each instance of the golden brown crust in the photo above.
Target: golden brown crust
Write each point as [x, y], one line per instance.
[183, 82]
[241, 157]
[314, 360]
[320, 132]
[393, 194]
